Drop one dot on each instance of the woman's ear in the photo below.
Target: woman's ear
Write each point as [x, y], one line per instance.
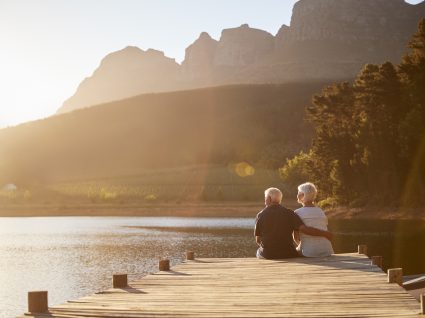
[300, 197]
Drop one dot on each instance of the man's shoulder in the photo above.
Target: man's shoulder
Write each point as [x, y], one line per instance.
[286, 210]
[290, 214]
[262, 212]
[273, 208]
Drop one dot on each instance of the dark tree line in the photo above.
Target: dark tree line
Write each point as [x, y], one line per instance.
[369, 144]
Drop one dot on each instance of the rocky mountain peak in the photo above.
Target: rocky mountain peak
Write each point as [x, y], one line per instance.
[155, 53]
[327, 39]
[198, 61]
[347, 20]
[243, 46]
[204, 36]
[129, 52]
[281, 36]
[125, 73]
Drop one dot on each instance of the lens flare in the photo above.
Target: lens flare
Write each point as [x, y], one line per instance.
[244, 169]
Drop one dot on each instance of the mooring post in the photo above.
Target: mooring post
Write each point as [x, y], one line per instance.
[395, 275]
[422, 296]
[362, 249]
[190, 256]
[377, 260]
[164, 265]
[37, 302]
[119, 281]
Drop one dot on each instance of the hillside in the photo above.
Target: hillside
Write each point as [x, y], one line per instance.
[326, 40]
[259, 124]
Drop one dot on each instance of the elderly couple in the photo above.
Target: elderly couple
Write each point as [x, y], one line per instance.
[283, 233]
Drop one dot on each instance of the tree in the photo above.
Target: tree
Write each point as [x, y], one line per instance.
[411, 127]
[378, 108]
[297, 170]
[369, 143]
[331, 115]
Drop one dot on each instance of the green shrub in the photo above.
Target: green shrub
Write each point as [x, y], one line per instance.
[327, 203]
[107, 195]
[151, 197]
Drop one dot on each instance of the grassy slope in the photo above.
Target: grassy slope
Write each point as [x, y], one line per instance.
[173, 147]
[205, 126]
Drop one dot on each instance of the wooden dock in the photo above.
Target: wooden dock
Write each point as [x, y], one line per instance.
[342, 285]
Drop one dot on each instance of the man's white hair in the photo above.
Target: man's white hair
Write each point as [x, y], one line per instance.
[275, 195]
[309, 191]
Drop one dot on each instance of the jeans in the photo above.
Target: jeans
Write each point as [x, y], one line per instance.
[259, 256]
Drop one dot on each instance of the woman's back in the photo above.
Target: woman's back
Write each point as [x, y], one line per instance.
[314, 246]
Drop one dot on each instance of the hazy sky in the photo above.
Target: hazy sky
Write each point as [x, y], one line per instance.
[49, 46]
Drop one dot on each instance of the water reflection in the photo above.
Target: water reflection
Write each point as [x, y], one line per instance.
[401, 243]
[73, 257]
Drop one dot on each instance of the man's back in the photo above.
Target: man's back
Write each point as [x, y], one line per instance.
[275, 224]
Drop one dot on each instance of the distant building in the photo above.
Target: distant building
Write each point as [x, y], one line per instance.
[10, 187]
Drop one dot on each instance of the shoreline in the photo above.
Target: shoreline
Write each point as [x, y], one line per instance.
[215, 209]
[195, 209]
[377, 213]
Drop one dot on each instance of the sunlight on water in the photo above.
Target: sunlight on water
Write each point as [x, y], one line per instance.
[72, 257]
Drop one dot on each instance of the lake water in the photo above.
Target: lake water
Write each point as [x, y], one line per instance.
[76, 256]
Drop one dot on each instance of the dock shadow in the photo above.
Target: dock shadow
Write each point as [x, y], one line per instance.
[199, 261]
[172, 272]
[348, 262]
[132, 290]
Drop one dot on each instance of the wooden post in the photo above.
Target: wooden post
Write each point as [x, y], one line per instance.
[422, 297]
[377, 260]
[119, 281]
[37, 302]
[164, 265]
[362, 249]
[190, 256]
[395, 275]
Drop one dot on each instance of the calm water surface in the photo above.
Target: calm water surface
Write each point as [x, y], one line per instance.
[75, 256]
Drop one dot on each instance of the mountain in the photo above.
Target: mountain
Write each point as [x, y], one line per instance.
[199, 62]
[260, 124]
[326, 40]
[334, 38]
[126, 73]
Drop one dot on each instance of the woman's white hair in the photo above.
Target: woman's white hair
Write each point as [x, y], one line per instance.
[309, 192]
[275, 195]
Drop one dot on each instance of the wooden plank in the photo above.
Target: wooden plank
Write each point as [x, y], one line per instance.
[343, 285]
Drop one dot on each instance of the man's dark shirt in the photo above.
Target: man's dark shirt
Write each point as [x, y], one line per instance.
[275, 224]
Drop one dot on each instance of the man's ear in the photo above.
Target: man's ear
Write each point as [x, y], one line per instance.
[268, 199]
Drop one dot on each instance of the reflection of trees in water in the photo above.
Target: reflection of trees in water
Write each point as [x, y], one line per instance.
[399, 242]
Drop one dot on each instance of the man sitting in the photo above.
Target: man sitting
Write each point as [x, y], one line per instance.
[274, 226]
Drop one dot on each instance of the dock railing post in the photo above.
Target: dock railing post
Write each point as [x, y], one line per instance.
[119, 281]
[395, 275]
[164, 265]
[38, 302]
[377, 260]
[422, 296]
[362, 249]
[190, 256]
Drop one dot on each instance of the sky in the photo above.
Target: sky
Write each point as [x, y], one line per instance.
[47, 47]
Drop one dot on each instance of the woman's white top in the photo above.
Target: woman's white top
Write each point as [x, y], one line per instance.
[314, 246]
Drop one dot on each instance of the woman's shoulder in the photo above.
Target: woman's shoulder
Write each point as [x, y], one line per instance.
[310, 211]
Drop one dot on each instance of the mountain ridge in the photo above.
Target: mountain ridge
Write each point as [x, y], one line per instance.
[144, 132]
[326, 40]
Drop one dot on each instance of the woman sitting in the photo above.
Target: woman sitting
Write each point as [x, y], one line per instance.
[311, 246]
